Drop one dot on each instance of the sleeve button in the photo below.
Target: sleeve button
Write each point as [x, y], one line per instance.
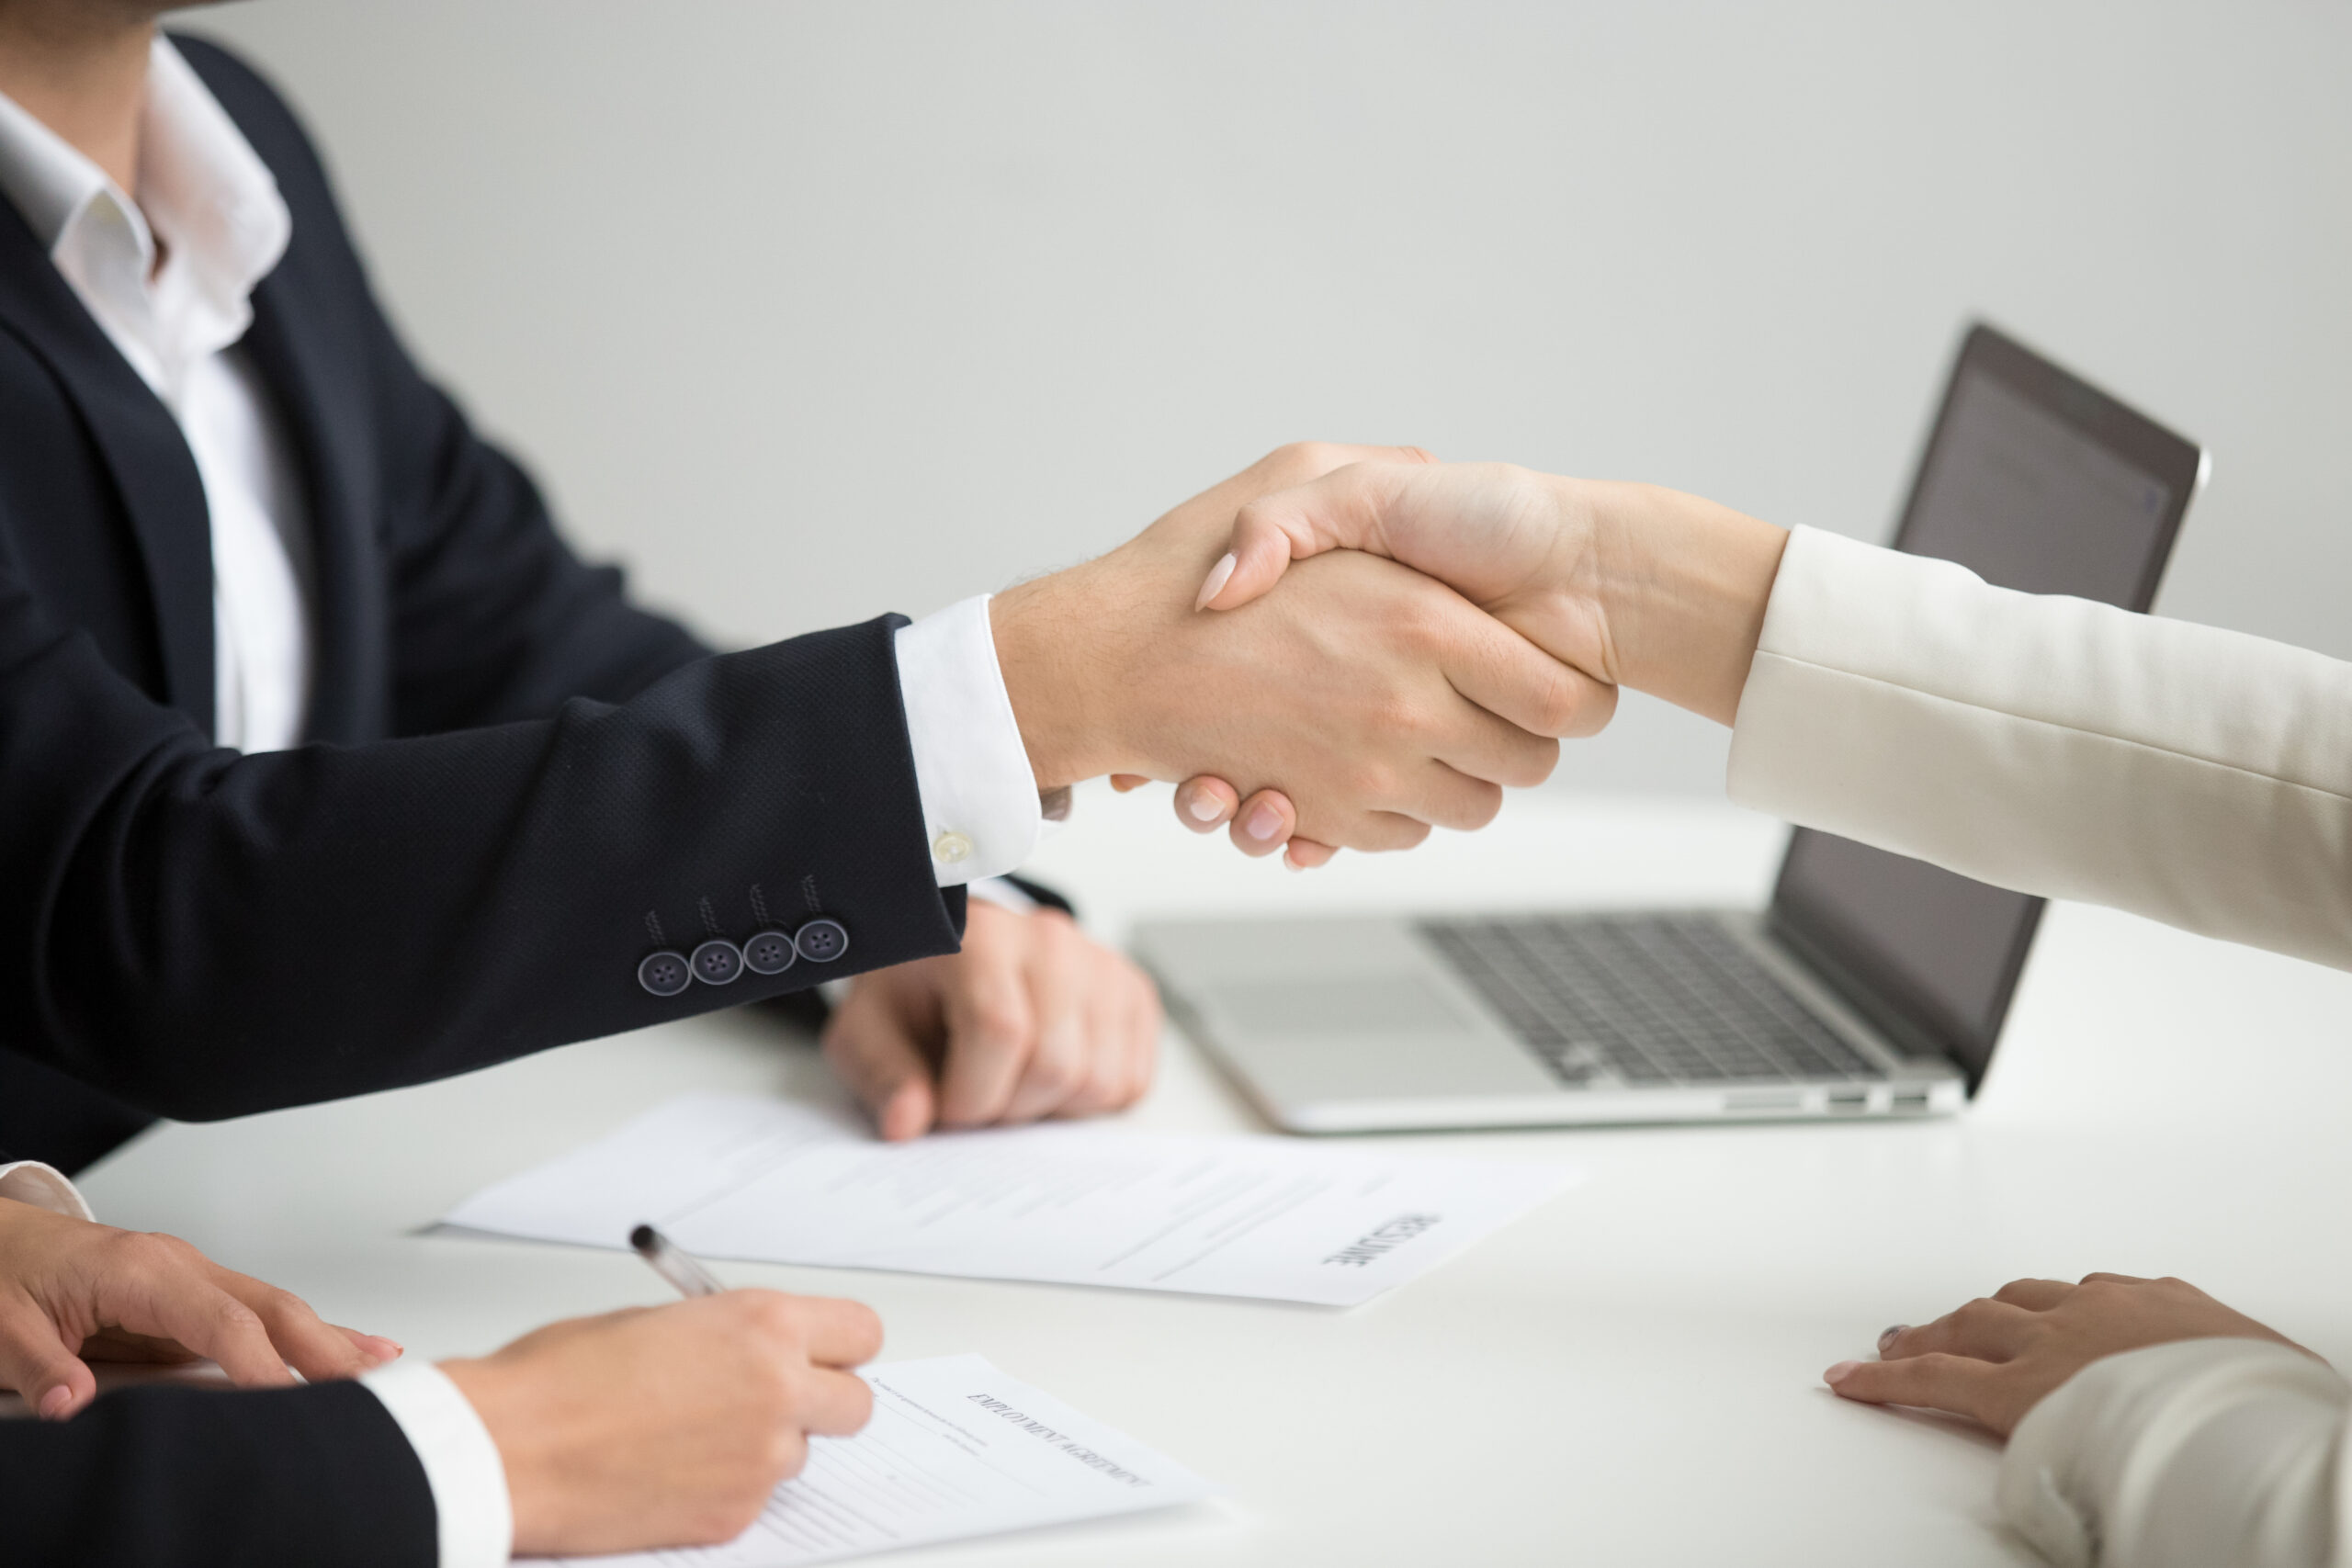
[664, 974]
[822, 940]
[769, 953]
[717, 961]
[950, 848]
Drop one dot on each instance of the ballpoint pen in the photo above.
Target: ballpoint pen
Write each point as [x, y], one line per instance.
[691, 1278]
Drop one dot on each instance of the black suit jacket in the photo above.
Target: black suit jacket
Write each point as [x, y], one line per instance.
[171, 1477]
[518, 785]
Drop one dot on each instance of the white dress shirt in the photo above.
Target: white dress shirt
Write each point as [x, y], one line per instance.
[209, 211]
[2197, 776]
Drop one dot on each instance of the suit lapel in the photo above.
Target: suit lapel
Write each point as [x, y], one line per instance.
[144, 449]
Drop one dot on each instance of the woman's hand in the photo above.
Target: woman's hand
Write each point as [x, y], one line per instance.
[1996, 1358]
[72, 1293]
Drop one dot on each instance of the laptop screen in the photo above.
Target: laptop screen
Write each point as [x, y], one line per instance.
[2033, 480]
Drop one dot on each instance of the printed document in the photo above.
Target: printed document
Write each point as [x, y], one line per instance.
[955, 1449]
[764, 1180]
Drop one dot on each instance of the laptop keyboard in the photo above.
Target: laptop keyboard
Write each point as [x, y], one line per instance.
[1650, 1000]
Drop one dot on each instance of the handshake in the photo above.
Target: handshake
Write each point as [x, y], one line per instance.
[1456, 623]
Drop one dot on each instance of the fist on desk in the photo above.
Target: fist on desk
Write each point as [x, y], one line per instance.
[1032, 1018]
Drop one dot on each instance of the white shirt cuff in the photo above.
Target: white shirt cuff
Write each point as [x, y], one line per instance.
[44, 1187]
[979, 799]
[1003, 895]
[475, 1519]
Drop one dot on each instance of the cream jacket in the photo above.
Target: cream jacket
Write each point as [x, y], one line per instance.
[2196, 776]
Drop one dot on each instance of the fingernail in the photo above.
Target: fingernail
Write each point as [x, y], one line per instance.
[1218, 576]
[1839, 1372]
[1888, 1338]
[1290, 865]
[1264, 823]
[53, 1403]
[1205, 808]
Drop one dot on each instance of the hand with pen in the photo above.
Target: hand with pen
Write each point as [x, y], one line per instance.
[643, 1428]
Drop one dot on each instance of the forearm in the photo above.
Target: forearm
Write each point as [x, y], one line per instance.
[2187, 1455]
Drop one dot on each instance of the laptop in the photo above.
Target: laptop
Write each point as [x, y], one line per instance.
[1873, 986]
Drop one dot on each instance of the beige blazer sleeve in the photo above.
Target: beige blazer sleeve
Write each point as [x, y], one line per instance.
[2209, 1453]
[2200, 777]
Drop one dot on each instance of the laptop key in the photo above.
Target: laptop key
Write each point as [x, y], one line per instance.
[1647, 1000]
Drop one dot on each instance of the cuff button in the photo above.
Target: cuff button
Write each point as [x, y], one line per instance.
[769, 953]
[717, 961]
[822, 940]
[664, 974]
[950, 848]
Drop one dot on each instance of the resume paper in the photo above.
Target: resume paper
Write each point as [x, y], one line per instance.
[768, 1182]
[955, 1449]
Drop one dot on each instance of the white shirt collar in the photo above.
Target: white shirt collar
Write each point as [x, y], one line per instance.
[201, 186]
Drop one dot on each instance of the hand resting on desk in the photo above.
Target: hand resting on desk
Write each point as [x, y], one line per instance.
[1997, 1357]
[73, 1292]
[1032, 1018]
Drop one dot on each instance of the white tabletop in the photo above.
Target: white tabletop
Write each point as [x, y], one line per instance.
[1630, 1375]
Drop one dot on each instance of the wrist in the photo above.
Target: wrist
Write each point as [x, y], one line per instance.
[499, 1402]
[1053, 671]
[1682, 584]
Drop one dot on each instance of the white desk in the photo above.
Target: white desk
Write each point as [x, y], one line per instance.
[1630, 1376]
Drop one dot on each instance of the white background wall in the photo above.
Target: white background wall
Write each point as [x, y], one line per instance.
[809, 312]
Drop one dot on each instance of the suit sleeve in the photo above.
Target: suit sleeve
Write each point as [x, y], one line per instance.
[206, 934]
[152, 1477]
[2056, 746]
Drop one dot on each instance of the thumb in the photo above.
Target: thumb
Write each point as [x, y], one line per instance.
[1340, 510]
[36, 1363]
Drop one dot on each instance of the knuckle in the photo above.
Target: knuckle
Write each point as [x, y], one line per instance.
[1409, 835]
[152, 1250]
[788, 1452]
[1055, 1073]
[1559, 701]
[1373, 781]
[774, 1316]
[864, 1330]
[1312, 457]
[725, 1517]
[998, 1021]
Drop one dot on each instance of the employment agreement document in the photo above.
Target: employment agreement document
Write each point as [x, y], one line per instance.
[955, 1449]
[762, 1180]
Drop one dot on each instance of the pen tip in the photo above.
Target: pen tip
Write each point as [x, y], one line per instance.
[642, 1238]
